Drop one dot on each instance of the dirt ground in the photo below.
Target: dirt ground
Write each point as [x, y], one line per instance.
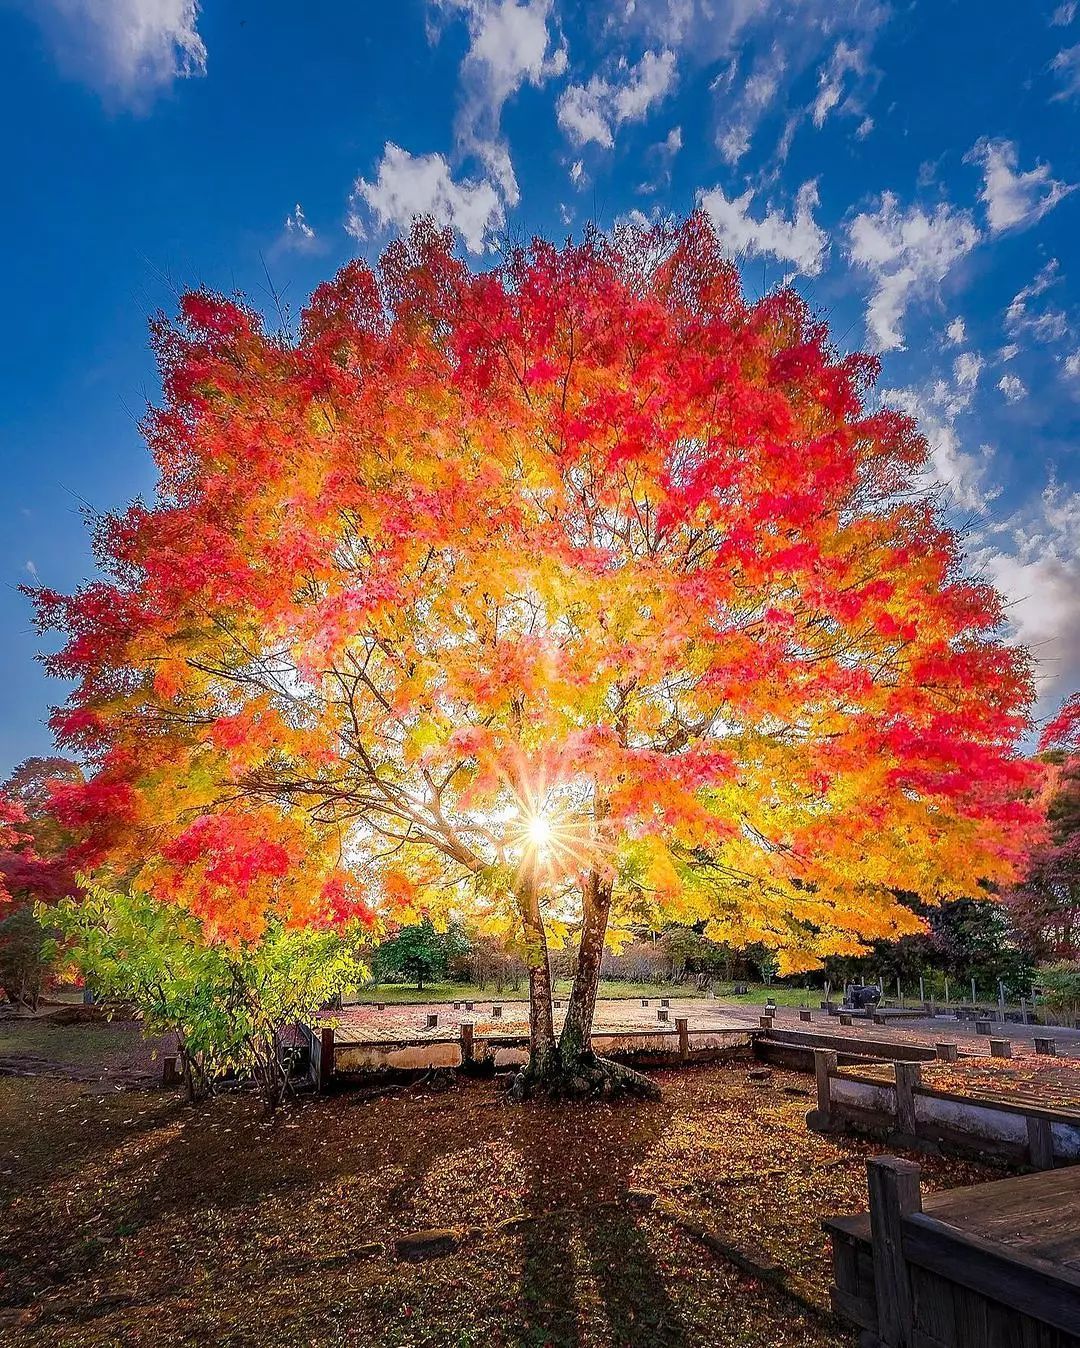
[693, 1222]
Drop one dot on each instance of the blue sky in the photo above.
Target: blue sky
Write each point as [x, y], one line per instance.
[912, 167]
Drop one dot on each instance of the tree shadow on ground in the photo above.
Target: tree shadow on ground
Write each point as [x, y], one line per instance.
[585, 1244]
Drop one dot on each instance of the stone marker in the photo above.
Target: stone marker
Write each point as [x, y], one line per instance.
[665, 1001]
[432, 1020]
[805, 1015]
[496, 1011]
[845, 1018]
[982, 1027]
[947, 1052]
[662, 1014]
[1046, 1046]
[423, 1245]
[1001, 1048]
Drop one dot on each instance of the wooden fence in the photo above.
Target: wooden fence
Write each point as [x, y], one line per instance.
[1042, 1135]
[991, 1266]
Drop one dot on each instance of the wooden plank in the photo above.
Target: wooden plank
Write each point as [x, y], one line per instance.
[1045, 1291]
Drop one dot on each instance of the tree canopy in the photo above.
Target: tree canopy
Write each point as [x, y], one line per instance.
[584, 575]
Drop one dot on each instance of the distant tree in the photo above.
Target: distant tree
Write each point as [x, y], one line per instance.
[416, 954]
[964, 939]
[35, 867]
[1045, 904]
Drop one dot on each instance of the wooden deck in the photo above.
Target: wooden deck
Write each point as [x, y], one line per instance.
[995, 1263]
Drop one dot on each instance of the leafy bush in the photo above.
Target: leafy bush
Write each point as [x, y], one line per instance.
[226, 1005]
[1060, 985]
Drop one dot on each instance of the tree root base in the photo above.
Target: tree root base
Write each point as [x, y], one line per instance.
[588, 1078]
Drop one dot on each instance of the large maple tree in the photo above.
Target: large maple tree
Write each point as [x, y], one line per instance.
[576, 590]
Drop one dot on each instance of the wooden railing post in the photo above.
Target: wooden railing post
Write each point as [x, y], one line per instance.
[824, 1068]
[1040, 1143]
[466, 1043]
[908, 1076]
[326, 1056]
[894, 1193]
[683, 1027]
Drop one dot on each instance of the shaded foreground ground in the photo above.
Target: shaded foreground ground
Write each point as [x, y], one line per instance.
[132, 1219]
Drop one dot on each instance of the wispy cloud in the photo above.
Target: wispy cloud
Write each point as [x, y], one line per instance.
[510, 44]
[127, 49]
[1014, 199]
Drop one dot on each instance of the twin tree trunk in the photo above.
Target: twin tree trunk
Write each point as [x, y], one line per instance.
[567, 1067]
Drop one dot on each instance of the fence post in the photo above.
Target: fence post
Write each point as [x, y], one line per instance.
[682, 1025]
[824, 1067]
[466, 1042]
[326, 1056]
[894, 1193]
[908, 1076]
[1040, 1143]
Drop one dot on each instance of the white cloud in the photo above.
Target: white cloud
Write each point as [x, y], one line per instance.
[1066, 66]
[907, 254]
[593, 111]
[966, 369]
[1013, 388]
[766, 48]
[1009, 352]
[1014, 200]
[297, 234]
[1064, 14]
[127, 49]
[864, 128]
[32, 571]
[672, 143]
[1071, 365]
[1047, 326]
[734, 142]
[509, 46]
[797, 240]
[955, 333]
[846, 59]
[411, 185]
[962, 472]
[577, 169]
[1034, 560]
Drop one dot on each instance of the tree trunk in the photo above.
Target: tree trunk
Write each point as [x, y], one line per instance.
[577, 1028]
[570, 1070]
[541, 1019]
